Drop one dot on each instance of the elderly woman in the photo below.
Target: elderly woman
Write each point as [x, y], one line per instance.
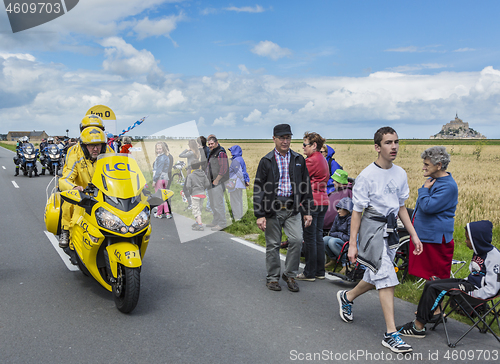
[434, 217]
[313, 234]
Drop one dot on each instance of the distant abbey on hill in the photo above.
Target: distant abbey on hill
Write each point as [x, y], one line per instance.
[457, 129]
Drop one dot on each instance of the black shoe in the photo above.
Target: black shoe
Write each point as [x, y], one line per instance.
[290, 282]
[273, 286]
[43, 172]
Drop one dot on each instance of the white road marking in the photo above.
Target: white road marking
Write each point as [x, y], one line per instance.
[282, 257]
[62, 254]
[15, 184]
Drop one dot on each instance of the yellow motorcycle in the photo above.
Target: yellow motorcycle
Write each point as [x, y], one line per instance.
[110, 228]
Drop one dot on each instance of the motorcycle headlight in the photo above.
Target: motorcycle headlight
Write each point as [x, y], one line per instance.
[30, 156]
[110, 221]
[140, 221]
[57, 156]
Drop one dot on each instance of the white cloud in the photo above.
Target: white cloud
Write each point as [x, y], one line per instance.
[254, 117]
[246, 9]
[243, 69]
[157, 27]
[417, 67]
[228, 120]
[271, 50]
[464, 50]
[23, 56]
[414, 49]
[123, 59]
[201, 122]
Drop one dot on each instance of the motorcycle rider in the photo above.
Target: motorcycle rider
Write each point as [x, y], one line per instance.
[21, 142]
[78, 171]
[44, 145]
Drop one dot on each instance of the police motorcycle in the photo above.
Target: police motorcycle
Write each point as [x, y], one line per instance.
[26, 159]
[52, 159]
[110, 228]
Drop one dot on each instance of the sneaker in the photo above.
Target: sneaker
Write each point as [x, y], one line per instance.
[273, 286]
[168, 216]
[195, 224]
[211, 225]
[394, 342]
[409, 329]
[345, 306]
[158, 216]
[189, 207]
[302, 277]
[64, 239]
[217, 228]
[290, 282]
[320, 277]
[198, 228]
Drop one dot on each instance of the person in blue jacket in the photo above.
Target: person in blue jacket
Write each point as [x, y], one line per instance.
[434, 217]
[238, 181]
[328, 153]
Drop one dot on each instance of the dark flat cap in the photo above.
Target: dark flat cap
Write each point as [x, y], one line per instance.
[282, 129]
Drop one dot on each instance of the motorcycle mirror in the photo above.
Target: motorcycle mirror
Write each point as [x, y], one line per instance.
[72, 196]
[157, 199]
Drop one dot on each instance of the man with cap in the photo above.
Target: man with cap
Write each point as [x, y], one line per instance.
[342, 189]
[282, 193]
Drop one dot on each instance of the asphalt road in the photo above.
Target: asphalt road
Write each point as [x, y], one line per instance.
[202, 301]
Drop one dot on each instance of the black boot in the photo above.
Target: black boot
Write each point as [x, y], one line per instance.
[64, 239]
[43, 171]
[17, 171]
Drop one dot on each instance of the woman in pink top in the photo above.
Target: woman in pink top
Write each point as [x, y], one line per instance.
[314, 249]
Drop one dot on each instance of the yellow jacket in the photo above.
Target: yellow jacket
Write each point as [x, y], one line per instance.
[77, 170]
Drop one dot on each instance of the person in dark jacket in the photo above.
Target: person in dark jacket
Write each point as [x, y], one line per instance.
[217, 171]
[342, 189]
[282, 189]
[340, 231]
[483, 282]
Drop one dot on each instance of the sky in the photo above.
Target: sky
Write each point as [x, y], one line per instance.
[237, 68]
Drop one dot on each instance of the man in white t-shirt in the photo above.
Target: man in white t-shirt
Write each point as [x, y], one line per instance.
[378, 196]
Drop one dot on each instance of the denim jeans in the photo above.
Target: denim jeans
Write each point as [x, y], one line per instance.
[314, 251]
[333, 246]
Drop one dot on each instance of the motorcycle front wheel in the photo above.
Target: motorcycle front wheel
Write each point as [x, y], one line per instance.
[127, 288]
[30, 172]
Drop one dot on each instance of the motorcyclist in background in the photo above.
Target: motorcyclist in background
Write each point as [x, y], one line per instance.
[19, 146]
[43, 149]
[75, 154]
[79, 171]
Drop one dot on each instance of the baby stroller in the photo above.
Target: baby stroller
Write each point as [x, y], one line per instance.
[353, 271]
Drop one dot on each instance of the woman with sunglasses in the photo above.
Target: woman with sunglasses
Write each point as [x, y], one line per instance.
[314, 249]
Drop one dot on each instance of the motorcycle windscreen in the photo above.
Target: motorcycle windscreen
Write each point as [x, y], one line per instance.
[118, 175]
[53, 149]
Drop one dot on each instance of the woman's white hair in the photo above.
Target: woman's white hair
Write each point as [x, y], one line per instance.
[437, 154]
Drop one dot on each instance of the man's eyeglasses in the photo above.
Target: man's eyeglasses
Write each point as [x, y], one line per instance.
[286, 137]
[305, 145]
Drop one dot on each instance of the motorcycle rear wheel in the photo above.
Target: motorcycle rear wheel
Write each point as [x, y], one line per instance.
[127, 288]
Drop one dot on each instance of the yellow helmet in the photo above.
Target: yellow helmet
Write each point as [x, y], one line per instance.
[91, 120]
[93, 135]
